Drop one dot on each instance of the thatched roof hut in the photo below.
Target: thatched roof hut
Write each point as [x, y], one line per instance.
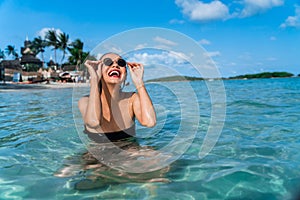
[30, 59]
[11, 64]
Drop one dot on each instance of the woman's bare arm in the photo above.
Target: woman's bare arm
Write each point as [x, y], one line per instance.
[90, 107]
[142, 105]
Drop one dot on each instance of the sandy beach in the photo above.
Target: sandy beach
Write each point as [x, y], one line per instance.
[52, 85]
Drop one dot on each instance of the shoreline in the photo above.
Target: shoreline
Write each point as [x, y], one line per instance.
[10, 86]
[52, 85]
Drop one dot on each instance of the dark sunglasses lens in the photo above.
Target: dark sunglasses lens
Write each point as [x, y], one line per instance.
[107, 61]
[121, 62]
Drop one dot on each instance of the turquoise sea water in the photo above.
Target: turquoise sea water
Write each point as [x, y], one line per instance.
[256, 157]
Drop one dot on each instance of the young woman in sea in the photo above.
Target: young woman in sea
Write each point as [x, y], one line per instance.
[108, 111]
[109, 117]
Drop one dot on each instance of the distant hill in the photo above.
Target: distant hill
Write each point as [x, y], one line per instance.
[246, 76]
[175, 78]
[264, 75]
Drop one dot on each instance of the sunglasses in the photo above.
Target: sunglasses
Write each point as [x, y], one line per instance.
[108, 62]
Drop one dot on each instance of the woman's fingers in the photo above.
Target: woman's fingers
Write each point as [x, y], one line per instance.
[91, 63]
[94, 68]
[134, 65]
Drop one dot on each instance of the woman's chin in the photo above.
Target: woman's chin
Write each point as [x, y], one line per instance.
[114, 81]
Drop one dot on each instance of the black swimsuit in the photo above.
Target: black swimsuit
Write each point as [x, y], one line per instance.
[112, 136]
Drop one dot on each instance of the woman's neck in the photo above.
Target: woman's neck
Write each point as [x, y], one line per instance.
[111, 92]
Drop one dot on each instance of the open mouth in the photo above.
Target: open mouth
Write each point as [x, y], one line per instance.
[114, 73]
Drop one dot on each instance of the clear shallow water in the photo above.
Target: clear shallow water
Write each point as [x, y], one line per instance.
[257, 155]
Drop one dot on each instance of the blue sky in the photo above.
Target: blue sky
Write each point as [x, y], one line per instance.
[241, 36]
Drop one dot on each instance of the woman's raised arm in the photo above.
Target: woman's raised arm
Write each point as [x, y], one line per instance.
[90, 107]
[142, 104]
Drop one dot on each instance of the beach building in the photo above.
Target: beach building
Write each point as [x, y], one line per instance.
[21, 69]
[29, 61]
[8, 68]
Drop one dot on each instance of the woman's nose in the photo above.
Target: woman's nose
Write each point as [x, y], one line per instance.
[115, 64]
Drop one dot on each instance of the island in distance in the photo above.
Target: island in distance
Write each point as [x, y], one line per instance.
[246, 76]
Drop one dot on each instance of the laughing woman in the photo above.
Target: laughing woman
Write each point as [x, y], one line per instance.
[109, 116]
[108, 111]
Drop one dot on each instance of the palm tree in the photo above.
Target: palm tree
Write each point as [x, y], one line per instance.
[38, 46]
[2, 55]
[10, 50]
[77, 54]
[63, 42]
[51, 40]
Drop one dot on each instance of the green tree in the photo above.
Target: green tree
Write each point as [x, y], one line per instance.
[52, 41]
[77, 54]
[2, 55]
[11, 50]
[63, 42]
[38, 45]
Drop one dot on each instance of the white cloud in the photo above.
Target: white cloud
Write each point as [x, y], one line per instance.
[292, 21]
[164, 58]
[140, 46]
[161, 64]
[100, 50]
[200, 11]
[176, 21]
[180, 56]
[204, 42]
[213, 53]
[252, 7]
[44, 31]
[117, 50]
[164, 41]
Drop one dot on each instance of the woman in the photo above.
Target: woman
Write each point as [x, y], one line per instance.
[108, 110]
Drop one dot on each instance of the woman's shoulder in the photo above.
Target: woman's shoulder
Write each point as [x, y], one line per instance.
[128, 94]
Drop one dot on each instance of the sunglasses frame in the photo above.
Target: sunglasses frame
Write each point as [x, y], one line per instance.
[106, 60]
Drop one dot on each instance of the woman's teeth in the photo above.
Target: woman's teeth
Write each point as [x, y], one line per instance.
[114, 73]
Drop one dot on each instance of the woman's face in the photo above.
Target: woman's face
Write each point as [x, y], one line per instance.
[113, 73]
